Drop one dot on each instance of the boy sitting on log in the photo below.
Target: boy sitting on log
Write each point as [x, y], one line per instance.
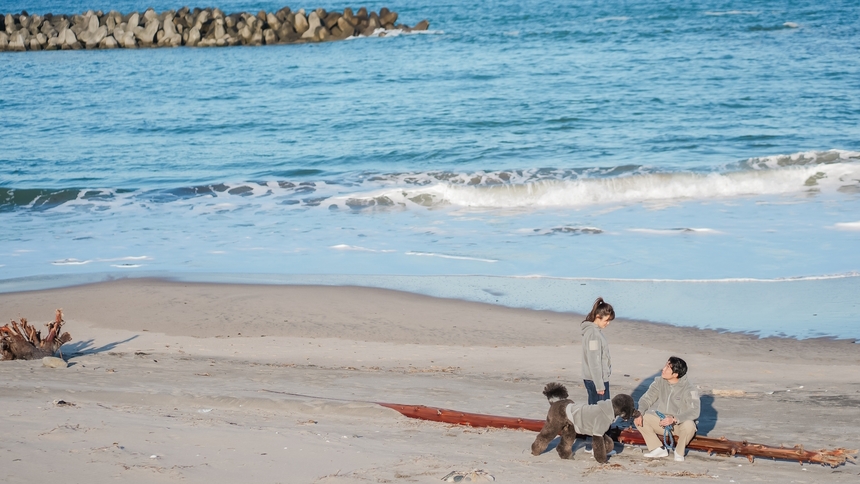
[671, 405]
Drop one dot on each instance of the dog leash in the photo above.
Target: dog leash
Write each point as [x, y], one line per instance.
[668, 438]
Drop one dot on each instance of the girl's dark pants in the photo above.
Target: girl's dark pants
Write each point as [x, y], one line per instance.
[593, 397]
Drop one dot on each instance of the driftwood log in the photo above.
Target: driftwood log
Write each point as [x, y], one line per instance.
[722, 445]
[21, 341]
[831, 457]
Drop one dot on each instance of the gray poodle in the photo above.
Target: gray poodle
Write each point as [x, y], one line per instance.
[567, 419]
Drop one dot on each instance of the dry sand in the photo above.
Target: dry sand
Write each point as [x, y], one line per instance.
[173, 382]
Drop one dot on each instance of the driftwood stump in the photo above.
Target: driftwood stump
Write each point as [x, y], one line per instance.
[21, 341]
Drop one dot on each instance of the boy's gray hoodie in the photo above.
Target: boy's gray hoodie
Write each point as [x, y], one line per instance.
[596, 363]
[680, 400]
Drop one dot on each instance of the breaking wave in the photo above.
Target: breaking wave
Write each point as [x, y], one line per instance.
[833, 171]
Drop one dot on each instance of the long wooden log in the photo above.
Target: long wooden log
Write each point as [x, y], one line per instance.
[463, 418]
[722, 445]
[831, 457]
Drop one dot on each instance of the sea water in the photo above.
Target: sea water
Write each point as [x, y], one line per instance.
[694, 163]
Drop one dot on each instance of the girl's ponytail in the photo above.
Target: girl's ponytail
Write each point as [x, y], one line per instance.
[600, 309]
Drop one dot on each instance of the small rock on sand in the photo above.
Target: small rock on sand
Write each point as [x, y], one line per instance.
[477, 475]
[54, 362]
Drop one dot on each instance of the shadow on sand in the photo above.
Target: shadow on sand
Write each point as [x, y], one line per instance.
[81, 348]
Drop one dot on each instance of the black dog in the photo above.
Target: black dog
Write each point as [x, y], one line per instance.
[558, 423]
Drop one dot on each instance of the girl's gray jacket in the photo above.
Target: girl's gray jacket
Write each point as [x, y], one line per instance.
[680, 400]
[596, 363]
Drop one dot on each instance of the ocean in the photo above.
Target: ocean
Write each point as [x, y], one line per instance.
[694, 163]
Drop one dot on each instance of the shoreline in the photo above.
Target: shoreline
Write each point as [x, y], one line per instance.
[161, 387]
[374, 315]
[429, 286]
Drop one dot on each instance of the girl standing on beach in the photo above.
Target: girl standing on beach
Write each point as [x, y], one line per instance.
[596, 363]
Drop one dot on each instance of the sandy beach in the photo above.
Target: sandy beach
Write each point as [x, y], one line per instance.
[217, 383]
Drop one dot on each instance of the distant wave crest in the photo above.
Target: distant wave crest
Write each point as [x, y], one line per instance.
[821, 277]
[808, 172]
[732, 12]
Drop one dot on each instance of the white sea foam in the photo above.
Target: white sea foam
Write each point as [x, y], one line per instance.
[77, 262]
[381, 32]
[445, 256]
[636, 188]
[70, 262]
[567, 229]
[847, 226]
[732, 12]
[799, 173]
[359, 249]
[683, 230]
[426, 32]
[820, 277]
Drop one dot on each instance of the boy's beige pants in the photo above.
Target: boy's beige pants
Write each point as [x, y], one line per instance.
[652, 432]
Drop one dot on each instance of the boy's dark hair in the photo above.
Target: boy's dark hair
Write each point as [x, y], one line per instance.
[601, 308]
[678, 366]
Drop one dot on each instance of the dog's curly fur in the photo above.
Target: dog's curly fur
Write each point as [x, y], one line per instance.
[558, 424]
[554, 392]
[622, 405]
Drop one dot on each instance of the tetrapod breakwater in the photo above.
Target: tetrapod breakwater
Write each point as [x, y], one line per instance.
[198, 27]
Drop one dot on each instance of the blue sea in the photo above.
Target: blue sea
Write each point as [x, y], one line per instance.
[695, 163]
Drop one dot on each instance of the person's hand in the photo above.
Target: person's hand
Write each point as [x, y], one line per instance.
[600, 392]
[637, 421]
[670, 420]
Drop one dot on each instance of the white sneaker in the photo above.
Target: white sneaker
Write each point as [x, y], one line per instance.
[658, 452]
[588, 450]
[679, 457]
[611, 453]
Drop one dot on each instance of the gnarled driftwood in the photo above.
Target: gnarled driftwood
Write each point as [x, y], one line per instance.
[21, 341]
